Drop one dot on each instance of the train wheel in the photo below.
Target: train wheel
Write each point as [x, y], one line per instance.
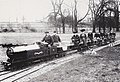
[13, 67]
[60, 54]
[63, 54]
[41, 59]
[57, 55]
[52, 57]
[6, 67]
[48, 58]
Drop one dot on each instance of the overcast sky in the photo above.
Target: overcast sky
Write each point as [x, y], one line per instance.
[33, 10]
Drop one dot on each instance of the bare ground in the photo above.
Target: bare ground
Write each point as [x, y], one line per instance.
[103, 67]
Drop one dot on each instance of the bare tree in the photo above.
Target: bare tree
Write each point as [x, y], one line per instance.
[102, 11]
[57, 10]
[76, 21]
[75, 17]
[55, 13]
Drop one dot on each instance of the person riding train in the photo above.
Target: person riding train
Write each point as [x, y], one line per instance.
[90, 39]
[83, 37]
[48, 39]
[97, 39]
[106, 38]
[75, 39]
[56, 39]
[112, 36]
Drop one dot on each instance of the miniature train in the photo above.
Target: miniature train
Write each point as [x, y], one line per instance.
[19, 55]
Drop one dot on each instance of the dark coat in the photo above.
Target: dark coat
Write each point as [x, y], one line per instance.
[56, 38]
[48, 39]
[83, 36]
[75, 39]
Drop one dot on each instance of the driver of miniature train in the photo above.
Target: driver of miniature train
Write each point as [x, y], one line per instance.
[48, 39]
[56, 39]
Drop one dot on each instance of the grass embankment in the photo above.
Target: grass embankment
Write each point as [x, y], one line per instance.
[103, 67]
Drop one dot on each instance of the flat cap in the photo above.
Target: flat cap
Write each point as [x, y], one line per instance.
[82, 30]
[74, 32]
[55, 31]
[46, 32]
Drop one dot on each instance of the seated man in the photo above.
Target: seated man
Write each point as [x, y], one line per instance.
[97, 39]
[83, 37]
[48, 39]
[56, 39]
[90, 36]
[75, 39]
[112, 36]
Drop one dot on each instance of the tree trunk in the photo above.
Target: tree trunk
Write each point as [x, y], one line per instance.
[94, 27]
[63, 24]
[117, 19]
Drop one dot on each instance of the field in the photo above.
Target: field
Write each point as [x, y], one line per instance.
[20, 38]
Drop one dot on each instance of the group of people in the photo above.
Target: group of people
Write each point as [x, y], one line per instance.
[51, 40]
[85, 39]
[88, 39]
[76, 39]
[106, 37]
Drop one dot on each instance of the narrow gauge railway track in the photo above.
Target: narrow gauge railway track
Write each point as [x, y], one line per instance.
[18, 79]
[4, 72]
[10, 74]
[51, 64]
[6, 75]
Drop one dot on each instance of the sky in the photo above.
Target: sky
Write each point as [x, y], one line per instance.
[34, 10]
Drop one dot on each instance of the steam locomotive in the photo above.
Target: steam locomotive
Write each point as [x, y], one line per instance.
[21, 54]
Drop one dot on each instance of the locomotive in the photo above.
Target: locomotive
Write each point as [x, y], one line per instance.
[19, 55]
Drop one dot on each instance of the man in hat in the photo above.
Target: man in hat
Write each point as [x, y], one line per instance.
[75, 39]
[90, 38]
[83, 37]
[112, 36]
[48, 39]
[56, 38]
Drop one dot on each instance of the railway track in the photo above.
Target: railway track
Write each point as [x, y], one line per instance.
[8, 76]
[11, 74]
[4, 72]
